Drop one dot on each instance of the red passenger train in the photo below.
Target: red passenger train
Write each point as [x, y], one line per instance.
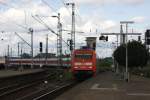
[83, 63]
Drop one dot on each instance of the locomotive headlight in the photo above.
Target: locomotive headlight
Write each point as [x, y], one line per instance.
[78, 63]
[88, 63]
[90, 67]
[75, 67]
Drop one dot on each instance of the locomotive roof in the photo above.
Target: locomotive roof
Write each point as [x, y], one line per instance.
[84, 50]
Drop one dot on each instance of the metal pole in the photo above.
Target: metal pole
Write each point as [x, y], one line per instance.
[117, 40]
[126, 73]
[126, 54]
[31, 32]
[21, 57]
[73, 25]
[7, 57]
[46, 49]
[61, 44]
[8, 51]
[18, 50]
[11, 52]
[117, 69]
[60, 39]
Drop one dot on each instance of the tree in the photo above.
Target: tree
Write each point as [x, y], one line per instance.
[25, 55]
[137, 54]
[43, 55]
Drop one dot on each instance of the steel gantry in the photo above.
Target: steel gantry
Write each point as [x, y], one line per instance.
[123, 40]
[73, 25]
[59, 40]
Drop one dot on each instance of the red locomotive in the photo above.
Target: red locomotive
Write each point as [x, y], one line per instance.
[83, 63]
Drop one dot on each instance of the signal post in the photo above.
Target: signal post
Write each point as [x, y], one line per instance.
[123, 39]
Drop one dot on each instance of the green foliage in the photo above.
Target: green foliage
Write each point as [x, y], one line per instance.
[137, 54]
[43, 55]
[104, 64]
[67, 75]
[25, 55]
[145, 72]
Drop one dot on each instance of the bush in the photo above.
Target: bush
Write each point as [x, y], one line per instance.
[137, 54]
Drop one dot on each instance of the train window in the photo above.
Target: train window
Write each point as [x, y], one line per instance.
[83, 56]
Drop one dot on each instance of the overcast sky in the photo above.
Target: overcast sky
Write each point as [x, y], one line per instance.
[91, 15]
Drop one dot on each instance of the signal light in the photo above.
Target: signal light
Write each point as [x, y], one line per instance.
[41, 47]
[139, 38]
[147, 37]
[71, 45]
[103, 38]
[106, 38]
[147, 33]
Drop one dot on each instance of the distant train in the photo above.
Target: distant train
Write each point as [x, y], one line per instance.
[83, 63]
[39, 61]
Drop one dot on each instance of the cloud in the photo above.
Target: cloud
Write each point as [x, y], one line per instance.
[3, 1]
[139, 19]
[96, 23]
[12, 16]
[104, 2]
[134, 2]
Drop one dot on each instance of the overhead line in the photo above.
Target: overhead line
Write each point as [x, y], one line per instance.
[10, 6]
[22, 39]
[77, 11]
[48, 5]
[5, 4]
[65, 6]
[13, 22]
[43, 23]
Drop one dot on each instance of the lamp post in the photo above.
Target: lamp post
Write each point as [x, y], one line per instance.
[59, 39]
[31, 32]
[20, 46]
[73, 25]
[126, 23]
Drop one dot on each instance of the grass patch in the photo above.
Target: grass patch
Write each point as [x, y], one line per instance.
[67, 74]
[104, 64]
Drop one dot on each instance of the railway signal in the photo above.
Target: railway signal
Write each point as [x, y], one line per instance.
[106, 38]
[103, 38]
[71, 44]
[139, 38]
[147, 36]
[73, 25]
[123, 37]
[41, 47]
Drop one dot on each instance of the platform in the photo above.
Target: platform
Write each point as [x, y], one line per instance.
[11, 73]
[106, 86]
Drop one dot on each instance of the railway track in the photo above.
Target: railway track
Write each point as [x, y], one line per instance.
[36, 90]
[55, 92]
[3, 89]
[17, 85]
[12, 89]
[9, 90]
[16, 89]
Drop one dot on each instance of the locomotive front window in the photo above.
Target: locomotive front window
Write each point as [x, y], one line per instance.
[83, 56]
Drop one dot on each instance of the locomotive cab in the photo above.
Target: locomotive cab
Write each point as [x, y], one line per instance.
[83, 63]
